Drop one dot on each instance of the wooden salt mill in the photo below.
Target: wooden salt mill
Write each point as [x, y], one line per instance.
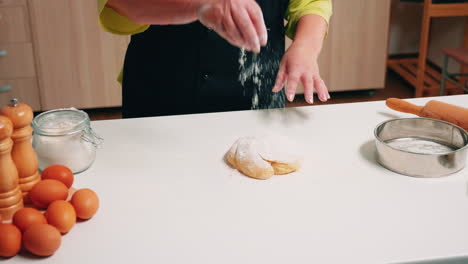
[11, 198]
[24, 157]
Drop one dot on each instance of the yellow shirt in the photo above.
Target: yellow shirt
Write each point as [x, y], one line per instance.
[112, 22]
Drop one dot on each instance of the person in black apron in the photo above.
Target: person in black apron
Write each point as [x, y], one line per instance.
[186, 69]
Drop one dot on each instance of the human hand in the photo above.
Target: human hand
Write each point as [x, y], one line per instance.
[300, 64]
[240, 22]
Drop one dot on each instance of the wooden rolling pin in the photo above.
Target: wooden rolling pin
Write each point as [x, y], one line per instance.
[433, 109]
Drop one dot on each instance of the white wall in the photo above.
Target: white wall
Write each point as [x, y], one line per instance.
[405, 27]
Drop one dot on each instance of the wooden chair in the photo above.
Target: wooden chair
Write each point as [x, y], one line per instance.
[461, 56]
[423, 77]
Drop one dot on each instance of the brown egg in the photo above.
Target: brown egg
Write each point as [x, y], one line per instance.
[59, 173]
[27, 217]
[85, 202]
[61, 215]
[10, 240]
[42, 239]
[47, 191]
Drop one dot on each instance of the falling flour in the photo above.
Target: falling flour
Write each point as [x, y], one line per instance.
[262, 75]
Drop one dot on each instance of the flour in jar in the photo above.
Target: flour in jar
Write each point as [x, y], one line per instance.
[70, 151]
[64, 137]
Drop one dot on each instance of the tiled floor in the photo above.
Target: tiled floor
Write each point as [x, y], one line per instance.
[395, 87]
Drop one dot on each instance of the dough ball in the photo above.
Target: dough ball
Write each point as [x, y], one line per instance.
[263, 157]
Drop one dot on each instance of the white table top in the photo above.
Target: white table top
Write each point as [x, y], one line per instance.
[167, 197]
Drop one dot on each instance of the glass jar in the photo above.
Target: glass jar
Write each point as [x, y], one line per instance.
[65, 137]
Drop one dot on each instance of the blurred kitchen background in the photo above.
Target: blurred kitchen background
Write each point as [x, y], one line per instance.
[53, 54]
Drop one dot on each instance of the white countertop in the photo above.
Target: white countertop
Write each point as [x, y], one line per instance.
[167, 197]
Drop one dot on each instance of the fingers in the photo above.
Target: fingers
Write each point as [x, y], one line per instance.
[322, 91]
[326, 88]
[247, 29]
[311, 83]
[211, 17]
[293, 81]
[280, 79]
[308, 84]
[241, 24]
[233, 35]
[256, 16]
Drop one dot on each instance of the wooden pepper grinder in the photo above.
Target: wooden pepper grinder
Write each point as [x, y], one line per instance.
[11, 198]
[21, 115]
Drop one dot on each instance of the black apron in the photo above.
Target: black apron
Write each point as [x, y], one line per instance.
[185, 69]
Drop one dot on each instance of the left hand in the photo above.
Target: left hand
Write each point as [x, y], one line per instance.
[299, 64]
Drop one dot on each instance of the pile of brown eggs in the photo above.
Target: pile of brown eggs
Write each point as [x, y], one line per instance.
[38, 232]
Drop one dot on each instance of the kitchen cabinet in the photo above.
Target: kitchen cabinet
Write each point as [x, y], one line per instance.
[18, 76]
[78, 63]
[14, 23]
[355, 52]
[25, 89]
[17, 61]
[53, 54]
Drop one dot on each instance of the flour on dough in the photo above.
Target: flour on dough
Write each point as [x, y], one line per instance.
[263, 157]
